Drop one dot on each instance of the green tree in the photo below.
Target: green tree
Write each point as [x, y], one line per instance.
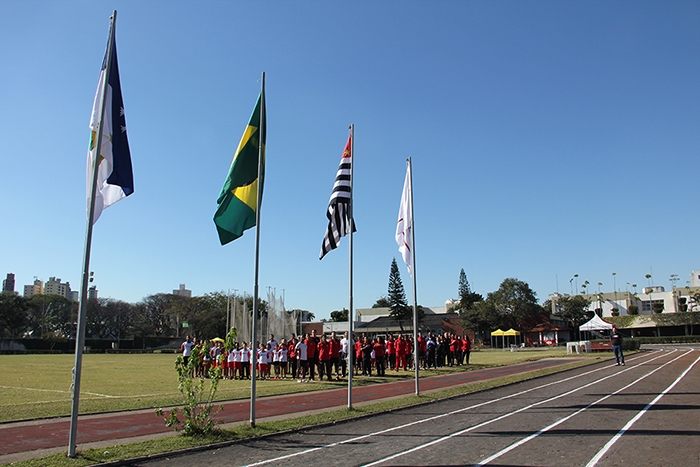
[658, 307]
[514, 303]
[181, 310]
[212, 311]
[206, 315]
[143, 327]
[52, 314]
[262, 306]
[153, 318]
[480, 318]
[107, 318]
[396, 295]
[574, 310]
[339, 316]
[14, 318]
[98, 322]
[694, 301]
[121, 315]
[307, 316]
[467, 298]
[66, 314]
[382, 302]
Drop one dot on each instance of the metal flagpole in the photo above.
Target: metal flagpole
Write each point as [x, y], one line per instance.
[351, 341]
[228, 311]
[416, 349]
[233, 320]
[261, 153]
[82, 310]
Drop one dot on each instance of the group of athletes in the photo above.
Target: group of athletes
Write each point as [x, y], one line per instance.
[310, 357]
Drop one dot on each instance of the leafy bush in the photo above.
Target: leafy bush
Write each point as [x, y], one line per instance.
[198, 408]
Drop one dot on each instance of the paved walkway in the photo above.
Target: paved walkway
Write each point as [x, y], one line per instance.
[24, 440]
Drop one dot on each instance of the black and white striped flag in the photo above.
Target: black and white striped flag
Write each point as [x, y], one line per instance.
[339, 205]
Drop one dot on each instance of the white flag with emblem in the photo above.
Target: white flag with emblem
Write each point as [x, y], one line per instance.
[404, 226]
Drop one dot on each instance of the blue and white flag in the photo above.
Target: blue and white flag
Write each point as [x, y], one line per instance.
[115, 179]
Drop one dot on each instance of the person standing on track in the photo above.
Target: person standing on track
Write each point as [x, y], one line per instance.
[343, 355]
[302, 360]
[335, 354]
[366, 350]
[616, 340]
[379, 351]
[400, 348]
[292, 356]
[323, 350]
[311, 353]
[466, 348]
[391, 352]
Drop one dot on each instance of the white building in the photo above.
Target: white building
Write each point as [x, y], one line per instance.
[56, 287]
[365, 315]
[182, 292]
[645, 300]
[695, 278]
[35, 289]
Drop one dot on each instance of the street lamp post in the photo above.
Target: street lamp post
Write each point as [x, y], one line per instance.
[674, 278]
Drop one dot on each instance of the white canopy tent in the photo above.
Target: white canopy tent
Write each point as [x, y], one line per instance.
[596, 324]
[596, 327]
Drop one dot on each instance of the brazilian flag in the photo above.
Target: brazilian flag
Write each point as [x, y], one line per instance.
[238, 200]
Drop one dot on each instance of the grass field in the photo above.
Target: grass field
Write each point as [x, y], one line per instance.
[36, 386]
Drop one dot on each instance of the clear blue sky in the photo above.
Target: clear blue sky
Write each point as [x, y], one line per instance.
[548, 139]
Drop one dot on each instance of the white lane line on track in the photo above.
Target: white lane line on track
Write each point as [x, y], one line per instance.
[62, 391]
[629, 424]
[464, 409]
[34, 389]
[488, 422]
[562, 420]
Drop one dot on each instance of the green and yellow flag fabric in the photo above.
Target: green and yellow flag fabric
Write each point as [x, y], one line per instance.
[238, 200]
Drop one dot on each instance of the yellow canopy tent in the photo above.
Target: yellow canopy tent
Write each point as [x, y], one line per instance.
[496, 333]
[511, 333]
